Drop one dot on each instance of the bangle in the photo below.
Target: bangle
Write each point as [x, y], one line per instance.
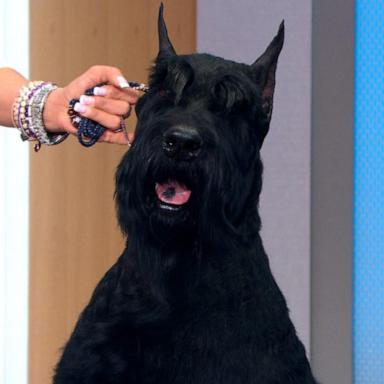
[21, 109]
[27, 114]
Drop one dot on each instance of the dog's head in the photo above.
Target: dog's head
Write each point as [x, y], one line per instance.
[194, 164]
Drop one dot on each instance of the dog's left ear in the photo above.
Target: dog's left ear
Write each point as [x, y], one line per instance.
[264, 69]
[165, 46]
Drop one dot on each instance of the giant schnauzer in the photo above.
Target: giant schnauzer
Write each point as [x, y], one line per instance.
[192, 299]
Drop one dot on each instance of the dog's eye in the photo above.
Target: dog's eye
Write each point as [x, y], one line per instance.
[228, 94]
[162, 92]
[158, 91]
[231, 93]
[154, 96]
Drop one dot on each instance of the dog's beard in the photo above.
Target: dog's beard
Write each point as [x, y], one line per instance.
[178, 202]
[158, 195]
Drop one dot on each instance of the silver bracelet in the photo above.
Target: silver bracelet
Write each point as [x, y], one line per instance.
[36, 117]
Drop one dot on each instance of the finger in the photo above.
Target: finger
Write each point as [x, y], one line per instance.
[117, 137]
[112, 106]
[131, 137]
[114, 138]
[130, 95]
[107, 120]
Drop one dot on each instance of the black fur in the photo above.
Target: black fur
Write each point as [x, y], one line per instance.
[192, 299]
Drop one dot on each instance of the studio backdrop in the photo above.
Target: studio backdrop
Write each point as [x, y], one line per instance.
[322, 201]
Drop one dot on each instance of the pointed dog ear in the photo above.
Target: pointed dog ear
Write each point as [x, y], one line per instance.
[165, 46]
[264, 69]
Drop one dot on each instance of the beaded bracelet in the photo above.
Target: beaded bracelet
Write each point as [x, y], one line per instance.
[89, 131]
[21, 109]
[27, 114]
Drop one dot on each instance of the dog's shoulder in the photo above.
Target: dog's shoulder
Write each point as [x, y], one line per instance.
[101, 299]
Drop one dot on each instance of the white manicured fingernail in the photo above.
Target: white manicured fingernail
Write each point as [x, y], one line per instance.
[99, 91]
[122, 82]
[87, 100]
[80, 108]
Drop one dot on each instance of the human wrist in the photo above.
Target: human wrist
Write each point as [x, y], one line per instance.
[55, 111]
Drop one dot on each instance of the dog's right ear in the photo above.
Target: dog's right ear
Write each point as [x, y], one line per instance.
[165, 46]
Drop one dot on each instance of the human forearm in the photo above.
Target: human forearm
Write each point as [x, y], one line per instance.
[10, 84]
[113, 102]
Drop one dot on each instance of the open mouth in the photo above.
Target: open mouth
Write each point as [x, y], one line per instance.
[172, 195]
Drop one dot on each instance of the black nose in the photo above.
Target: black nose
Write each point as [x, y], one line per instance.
[183, 143]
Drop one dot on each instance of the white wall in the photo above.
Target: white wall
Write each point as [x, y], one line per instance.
[241, 30]
[14, 171]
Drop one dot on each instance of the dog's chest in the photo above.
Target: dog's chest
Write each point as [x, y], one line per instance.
[215, 347]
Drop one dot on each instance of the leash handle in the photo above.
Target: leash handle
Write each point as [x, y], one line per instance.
[90, 131]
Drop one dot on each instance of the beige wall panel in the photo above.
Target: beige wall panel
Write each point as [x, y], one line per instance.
[74, 233]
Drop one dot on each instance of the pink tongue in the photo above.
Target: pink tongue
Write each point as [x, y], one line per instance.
[172, 192]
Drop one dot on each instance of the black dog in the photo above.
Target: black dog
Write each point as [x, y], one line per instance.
[192, 299]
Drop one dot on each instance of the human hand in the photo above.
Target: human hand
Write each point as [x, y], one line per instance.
[107, 107]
